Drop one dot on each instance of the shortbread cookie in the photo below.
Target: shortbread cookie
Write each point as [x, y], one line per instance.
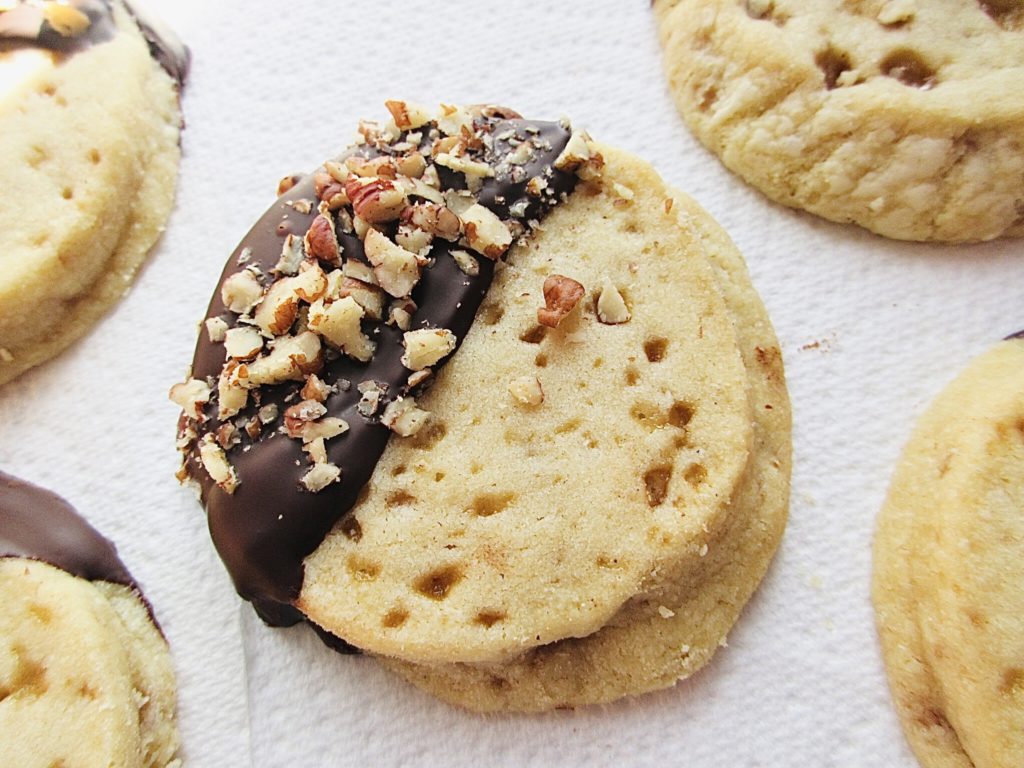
[948, 575]
[563, 469]
[903, 116]
[668, 634]
[89, 124]
[85, 674]
[521, 523]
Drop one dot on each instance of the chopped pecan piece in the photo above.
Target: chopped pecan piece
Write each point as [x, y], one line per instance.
[375, 200]
[561, 295]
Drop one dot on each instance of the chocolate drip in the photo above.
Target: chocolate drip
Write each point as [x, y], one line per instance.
[265, 529]
[164, 46]
[1017, 335]
[40, 525]
[26, 26]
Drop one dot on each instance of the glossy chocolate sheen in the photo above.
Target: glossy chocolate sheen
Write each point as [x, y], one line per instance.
[39, 525]
[266, 528]
[23, 26]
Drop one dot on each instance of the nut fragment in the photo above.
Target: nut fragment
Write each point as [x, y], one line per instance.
[576, 152]
[291, 256]
[280, 306]
[320, 476]
[452, 120]
[487, 234]
[375, 200]
[369, 297]
[232, 397]
[464, 165]
[216, 328]
[243, 343]
[316, 388]
[288, 182]
[191, 396]
[322, 242]
[216, 464]
[426, 346]
[297, 416]
[408, 116]
[434, 218]
[403, 417]
[291, 359]
[466, 262]
[527, 390]
[561, 295]
[340, 323]
[611, 307]
[371, 392]
[241, 291]
[65, 20]
[396, 269]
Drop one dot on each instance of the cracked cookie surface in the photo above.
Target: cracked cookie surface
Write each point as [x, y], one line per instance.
[902, 116]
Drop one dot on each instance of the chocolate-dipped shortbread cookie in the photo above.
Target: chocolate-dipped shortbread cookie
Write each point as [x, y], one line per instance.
[89, 120]
[85, 674]
[468, 390]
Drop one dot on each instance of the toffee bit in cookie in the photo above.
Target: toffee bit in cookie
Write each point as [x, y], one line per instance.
[561, 295]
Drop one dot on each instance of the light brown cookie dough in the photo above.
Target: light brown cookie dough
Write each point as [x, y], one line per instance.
[903, 116]
[89, 152]
[948, 582]
[669, 633]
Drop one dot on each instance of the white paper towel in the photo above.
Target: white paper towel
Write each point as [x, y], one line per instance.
[870, 329]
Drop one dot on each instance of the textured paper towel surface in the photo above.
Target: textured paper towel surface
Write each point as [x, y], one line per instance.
[870, 329]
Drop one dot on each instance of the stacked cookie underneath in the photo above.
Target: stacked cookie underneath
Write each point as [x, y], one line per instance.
[948, 574]
[600, 475]
[85, 674]
[89, 126]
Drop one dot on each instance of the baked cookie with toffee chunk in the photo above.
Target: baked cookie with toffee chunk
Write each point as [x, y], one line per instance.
[85, 674]
[89, 124]
[948, 582]
[903, 116]
[474, 388]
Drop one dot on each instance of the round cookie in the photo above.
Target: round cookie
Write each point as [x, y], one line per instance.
[948, 583]
[660, 637]
[565, 468]
[902, 116]
[85, 674]
[89, 125]
[547, 518]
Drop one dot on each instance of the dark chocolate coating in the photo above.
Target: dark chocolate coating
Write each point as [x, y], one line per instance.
[40, 525]
[24, 27]
[266, 528]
